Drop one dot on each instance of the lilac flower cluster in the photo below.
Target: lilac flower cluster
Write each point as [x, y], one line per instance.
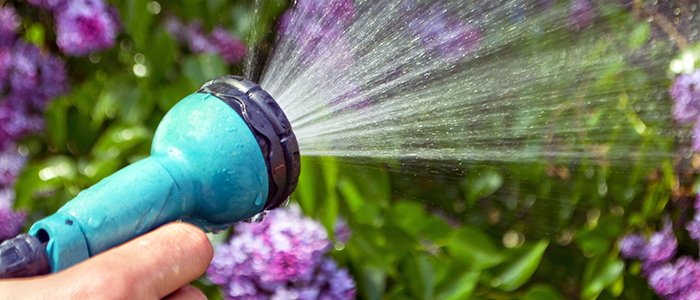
[83, 26]
[10, 223]
[686, 94]
[581, 14]
[679, 280]
[282, 257]
[29, 79]
[447, 36]
[219, 41]
[318, 29]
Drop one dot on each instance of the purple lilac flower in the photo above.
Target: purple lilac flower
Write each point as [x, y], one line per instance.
[320, 43]
[693, 228]
[449, 37]
[352, 98]
[9, 21]
[35, 78]
[632, 246]
[280, 258]
[660, 249]
[340, 284]
[329, 13]
[676, 280]
[84, 26]
[581, 14]
[341, 231]
[686, 94]
[48, 4]
[10, 222]
[197, 40]
[11, 164]
[318, 28]
[219, 41]
[231, 49]
[28, 79]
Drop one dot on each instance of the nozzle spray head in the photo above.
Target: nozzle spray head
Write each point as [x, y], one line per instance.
[271, 129]
[224, 154]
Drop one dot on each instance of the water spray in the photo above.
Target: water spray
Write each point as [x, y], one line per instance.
[224, 154]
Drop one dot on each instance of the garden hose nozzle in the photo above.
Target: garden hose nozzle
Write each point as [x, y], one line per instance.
[224, 154]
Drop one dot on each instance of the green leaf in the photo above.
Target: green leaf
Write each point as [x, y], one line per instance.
[640, 35]
[600, 272]
[36, 34]
[374, 282]
[420, 274]
[351, 194]
[160, 54]
[57, 123]
[138, 22]
[459, 286]
[308, 187]
[173, 92]
[116, 94]
[369, 244]
[597, 240]
[543, 292]
[199, 69]
[476, 247]
[119, 138]
[482, 184]
[518, 270]
[410, 216]
[329, 207]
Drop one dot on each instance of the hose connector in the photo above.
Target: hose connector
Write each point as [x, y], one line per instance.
[23, 256]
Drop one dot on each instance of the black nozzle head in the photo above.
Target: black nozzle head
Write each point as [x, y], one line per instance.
[23, 256]
[270, 127]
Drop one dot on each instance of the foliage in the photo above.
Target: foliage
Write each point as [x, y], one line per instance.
[444, 230]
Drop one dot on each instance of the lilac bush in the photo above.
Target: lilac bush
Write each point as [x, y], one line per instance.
[231, 49]
[9, 21]
[318, 29]
[283, 257]
[445, 35]
[685, 93]
[29, 78]
[672, 280]
[82, 26]
[10, 223]
[581, 14]
[218, 41]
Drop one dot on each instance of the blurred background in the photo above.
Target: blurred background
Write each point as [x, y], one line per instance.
[563, 166]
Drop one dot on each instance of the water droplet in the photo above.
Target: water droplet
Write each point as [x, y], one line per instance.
[258, 199]
[95, 221]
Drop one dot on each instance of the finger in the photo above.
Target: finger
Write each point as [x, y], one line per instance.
[151, 266]
[187, 292]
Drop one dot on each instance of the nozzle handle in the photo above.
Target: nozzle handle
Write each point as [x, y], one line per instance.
[23, 256]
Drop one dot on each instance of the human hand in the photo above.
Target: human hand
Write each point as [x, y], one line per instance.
[157, 265]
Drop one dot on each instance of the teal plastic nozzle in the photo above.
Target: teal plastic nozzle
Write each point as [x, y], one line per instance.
[224, 154]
